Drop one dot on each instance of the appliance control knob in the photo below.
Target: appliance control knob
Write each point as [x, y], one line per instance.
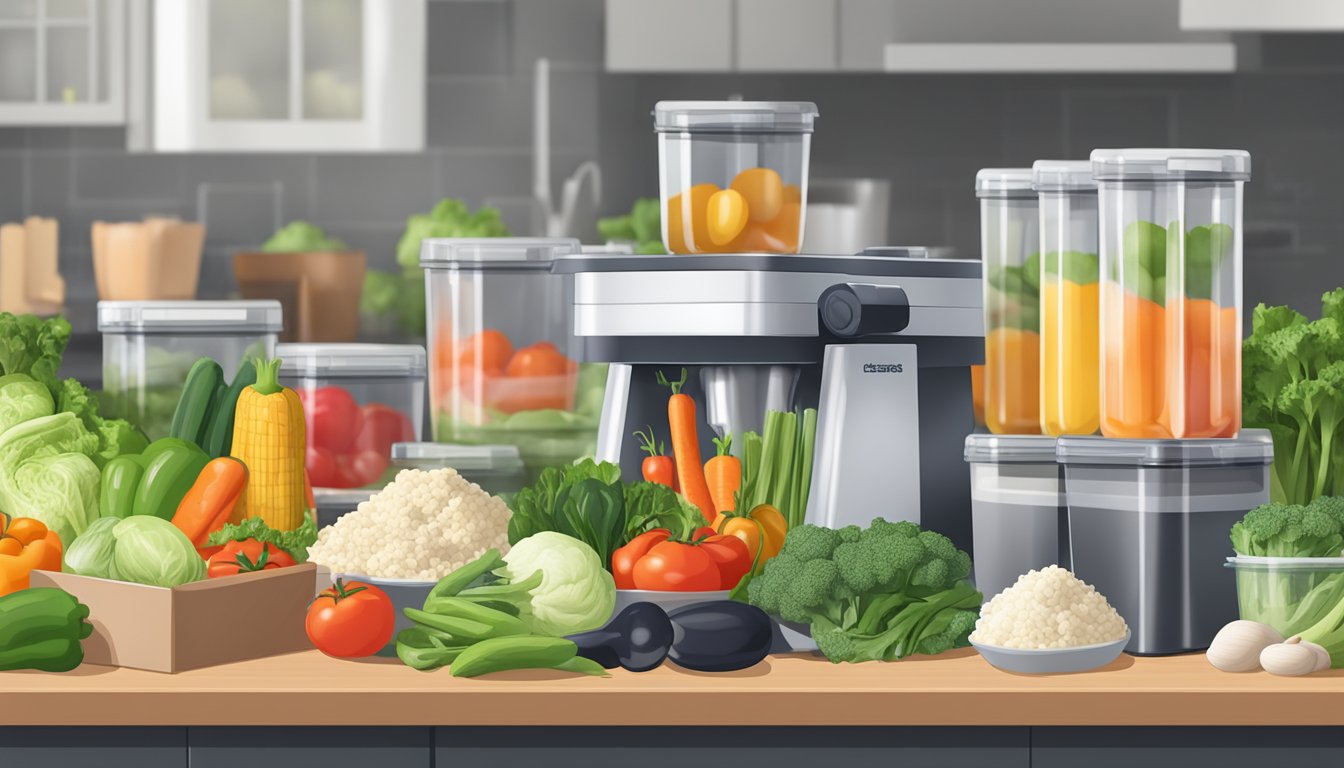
[851, 310]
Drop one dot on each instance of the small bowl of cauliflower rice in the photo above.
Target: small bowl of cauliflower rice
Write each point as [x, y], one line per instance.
[1049, 622]
[416, 530]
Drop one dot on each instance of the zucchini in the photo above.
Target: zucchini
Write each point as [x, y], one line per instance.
[218, 438]
[204, 382]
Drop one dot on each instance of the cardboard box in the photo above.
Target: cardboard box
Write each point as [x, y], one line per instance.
[209, 622]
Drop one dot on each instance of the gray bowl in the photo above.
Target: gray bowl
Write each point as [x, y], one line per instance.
[1052, 661]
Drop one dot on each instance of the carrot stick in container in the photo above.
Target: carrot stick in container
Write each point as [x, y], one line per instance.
[682, 422]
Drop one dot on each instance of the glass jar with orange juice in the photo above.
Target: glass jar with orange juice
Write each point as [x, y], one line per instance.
[1070, 297]
[1009, 247]
[1171, 291]
[733, 174]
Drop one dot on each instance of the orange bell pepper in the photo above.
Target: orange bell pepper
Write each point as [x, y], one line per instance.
[26, 545]
[762, 530]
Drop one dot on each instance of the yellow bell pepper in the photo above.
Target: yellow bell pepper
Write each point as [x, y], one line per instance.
[268, 437]
[762, 530]
[26, 545]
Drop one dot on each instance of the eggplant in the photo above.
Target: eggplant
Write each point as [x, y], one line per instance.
[637, 639]
[719, 636]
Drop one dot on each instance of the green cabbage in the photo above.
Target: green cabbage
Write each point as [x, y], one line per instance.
[92, 552]
[23, 398]
[151, 550]
[46, 473]
[577, 593]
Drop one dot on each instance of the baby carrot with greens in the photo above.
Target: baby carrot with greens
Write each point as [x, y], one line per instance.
[686, 446]
[723, 474]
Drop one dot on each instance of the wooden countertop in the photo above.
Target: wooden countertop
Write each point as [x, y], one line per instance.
[958, 688]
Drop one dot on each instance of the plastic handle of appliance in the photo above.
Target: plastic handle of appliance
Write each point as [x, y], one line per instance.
[851, 310]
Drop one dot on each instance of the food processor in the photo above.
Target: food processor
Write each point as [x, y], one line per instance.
[879, 342]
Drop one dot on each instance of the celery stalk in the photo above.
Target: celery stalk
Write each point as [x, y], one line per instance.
[809, 440]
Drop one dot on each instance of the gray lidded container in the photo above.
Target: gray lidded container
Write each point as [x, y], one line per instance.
[1019, 519]
[1149, 523]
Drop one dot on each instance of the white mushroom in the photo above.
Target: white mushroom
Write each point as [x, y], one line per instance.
[1294, 657]
[1237, 647]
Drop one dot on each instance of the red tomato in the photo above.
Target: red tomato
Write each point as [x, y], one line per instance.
[367, 466]
[379, 427]
[672, 566]
[350, 620]
[624, 559]
[246, 556]
[332, 417]
[540, 359]
[487, 349]
[532, 393]
[322, 469]
[731, 555]
[344, 475]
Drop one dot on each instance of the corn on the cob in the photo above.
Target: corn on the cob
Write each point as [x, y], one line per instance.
[268, 437]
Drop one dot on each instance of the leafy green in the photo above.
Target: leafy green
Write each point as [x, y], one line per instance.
[33, 346]
[151, 550]
[1293, 385]
[301, 237]
[1077, 267]
[295, 542]
[91, 553]
[1015, 301]
[46, 474]
[642, 226]
[450, 218]
[23, 398]
[652, 505]
[115, 437]
[873, 594]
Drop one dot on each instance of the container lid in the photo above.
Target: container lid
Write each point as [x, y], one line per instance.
[1251, 448]
[1171, 164]
[897, 252]
[1286, 563]
[495, 252]
[341, 499]
[215, 317]
[1004, 183]
[464, 458]
[1010, 449]
[735, 116]
[338, 360]
[1062, 176]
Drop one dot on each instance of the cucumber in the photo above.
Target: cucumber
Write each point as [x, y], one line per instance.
[218, 439]
[204, 381]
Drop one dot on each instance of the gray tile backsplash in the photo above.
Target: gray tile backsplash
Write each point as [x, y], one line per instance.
[926, 134]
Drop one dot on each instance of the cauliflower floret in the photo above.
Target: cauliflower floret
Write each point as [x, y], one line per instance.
[1049, 608]
[423, 525]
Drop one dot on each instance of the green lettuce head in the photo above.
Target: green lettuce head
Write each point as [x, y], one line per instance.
[23, 398]
[92, 552]
[46, 473]
[577, 593]
[151, 550]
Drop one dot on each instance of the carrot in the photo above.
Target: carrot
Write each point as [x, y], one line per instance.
[723, 474]
[686, 446]
[208, 505]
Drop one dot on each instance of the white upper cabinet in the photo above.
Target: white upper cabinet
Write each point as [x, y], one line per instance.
[1263, 15]
[287, 75]
[669, 35]
[62, 62]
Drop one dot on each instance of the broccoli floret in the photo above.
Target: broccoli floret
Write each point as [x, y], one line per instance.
[873, 593]
[1290, 530]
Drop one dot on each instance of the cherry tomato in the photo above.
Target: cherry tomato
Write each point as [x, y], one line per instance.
[331, 414]
[367, 466]
[624, 559]
[379, 427]
[672, 566]
[541, 359]
[487, 349]
[322, 469]
[350, 620]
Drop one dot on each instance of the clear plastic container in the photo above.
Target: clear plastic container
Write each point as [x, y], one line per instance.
[1171, 297]
[733, 174]
[149, 346]
[1070, 297]
[1289, 594]
[1019, 519]
[1148, 527]
[358, 400]
[1009, 238]
[497, 469]
[503, 364]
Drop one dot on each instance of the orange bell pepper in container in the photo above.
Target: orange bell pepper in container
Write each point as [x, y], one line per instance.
[26, 545]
